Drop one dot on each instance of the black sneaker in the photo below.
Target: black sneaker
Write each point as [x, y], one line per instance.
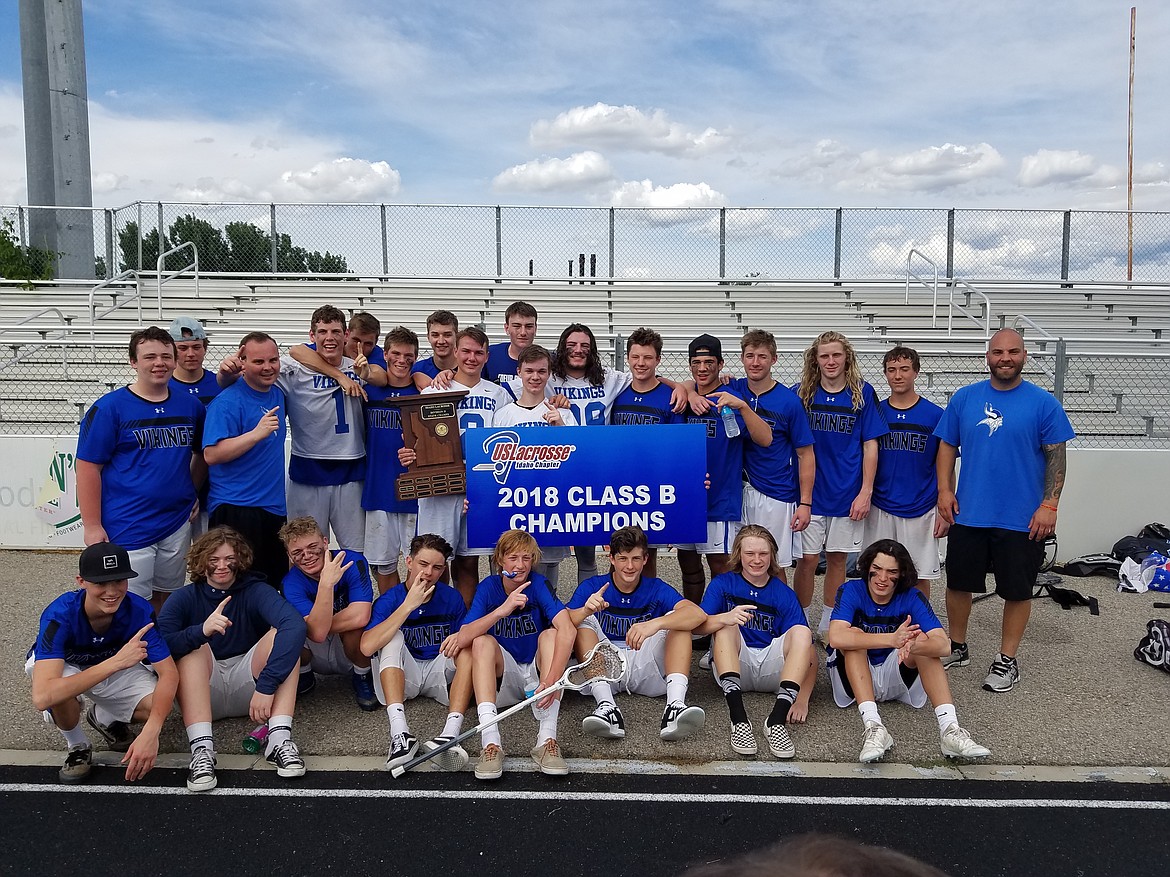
[306, 682]
[286, 758]
[605, 721]
[201, 774]
[402, 749]
[680, 721]
[78, 764]
[117, 735]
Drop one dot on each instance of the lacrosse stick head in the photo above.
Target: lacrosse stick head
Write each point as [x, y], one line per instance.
[604, 663]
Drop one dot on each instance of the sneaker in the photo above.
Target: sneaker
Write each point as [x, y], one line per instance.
[491, 763]
[779, 741]
[959, 657]
[287, 759]
[117, 735]
[306, 682]
[705, 661]
[402, 749]
[605, 721]
[549, 759]
[876, 742]
[78, 764]
[679, 721]
[452, 759]
[957, 743]
[1003, 675]
[363, 691]
[201, 775]
[743, 738]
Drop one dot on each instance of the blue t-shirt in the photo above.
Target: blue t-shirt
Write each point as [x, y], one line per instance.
[652, 598]
[355, 586]
[724, 464]
[144, 449]
[840, 431]
[856, 607]
[499, 364]
[66, 634]
[632, 408]
[773, 470]
[383, 441]
[376, 357]
[777, 607]
[428, 625]
[1001, 434]
[205, 389]
[427, 367]
[519, 631]
[255, 479]
[906, 484]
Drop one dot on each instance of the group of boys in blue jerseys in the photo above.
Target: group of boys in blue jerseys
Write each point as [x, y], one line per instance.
[181, 478]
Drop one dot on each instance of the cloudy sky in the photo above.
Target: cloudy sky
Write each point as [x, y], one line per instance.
[660, 103]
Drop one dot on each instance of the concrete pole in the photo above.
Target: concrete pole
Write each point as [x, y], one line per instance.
[38, 125]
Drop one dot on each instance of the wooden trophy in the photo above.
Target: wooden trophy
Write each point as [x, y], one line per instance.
[430, 425]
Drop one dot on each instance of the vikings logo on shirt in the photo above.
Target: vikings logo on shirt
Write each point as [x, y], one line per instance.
[993, 420]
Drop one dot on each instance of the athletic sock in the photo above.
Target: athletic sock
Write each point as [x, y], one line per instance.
[397, 715]
[729, 682]
[676, 688]
[279, 730]
[488, 736]
[869, 712]
[785, 697]
[77, 737]
[956, 647]
[946, 716]
[199, 736]
[548, 723]
[826, 616]
[364, 673]
[453, 725]
[602, 692]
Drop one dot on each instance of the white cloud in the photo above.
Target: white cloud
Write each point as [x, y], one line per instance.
[343, 179]
[643, 193]
[1047, 166]
[582, 170]
[624, 127]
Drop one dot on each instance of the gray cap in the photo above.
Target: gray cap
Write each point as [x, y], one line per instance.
[192, 327]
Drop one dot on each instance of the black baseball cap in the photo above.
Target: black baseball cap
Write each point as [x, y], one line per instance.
[705, 345]
[105, 562]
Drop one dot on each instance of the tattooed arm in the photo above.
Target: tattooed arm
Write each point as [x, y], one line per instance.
[1043, 522]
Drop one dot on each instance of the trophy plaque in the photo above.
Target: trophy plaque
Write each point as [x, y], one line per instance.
[430, 425]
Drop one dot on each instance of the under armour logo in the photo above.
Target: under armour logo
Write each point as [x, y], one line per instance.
[98, 639]
[901, 416]
[753, 594]
[625, 601]
[830, 398]
[637, 398]
[160, 411]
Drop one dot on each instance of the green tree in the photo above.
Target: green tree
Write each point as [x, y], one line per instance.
[208, 241]
[251, 249]
[128, 248]
[22, 263]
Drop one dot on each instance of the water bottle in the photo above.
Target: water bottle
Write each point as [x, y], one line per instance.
[730, 424]
[530, 683]
[255, 741]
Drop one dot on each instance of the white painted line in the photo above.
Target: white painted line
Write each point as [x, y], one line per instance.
[601, 797]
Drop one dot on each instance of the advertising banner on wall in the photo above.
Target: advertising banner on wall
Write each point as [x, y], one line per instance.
[38, 492]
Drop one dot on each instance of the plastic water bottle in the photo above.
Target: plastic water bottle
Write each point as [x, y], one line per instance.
[255, 741]
[530, 684]
[730, 424]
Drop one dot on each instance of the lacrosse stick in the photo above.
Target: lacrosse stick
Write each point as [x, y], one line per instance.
[604, 663]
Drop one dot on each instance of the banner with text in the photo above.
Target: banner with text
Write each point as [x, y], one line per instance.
[575, 486]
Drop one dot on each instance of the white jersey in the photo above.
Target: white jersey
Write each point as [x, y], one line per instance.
[325, 423]
[478, 408]
[591, 404]
[515, 414]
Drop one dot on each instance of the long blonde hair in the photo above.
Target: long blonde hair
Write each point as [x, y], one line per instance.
[811, 375]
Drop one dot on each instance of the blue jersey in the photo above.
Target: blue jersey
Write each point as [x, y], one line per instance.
[428, 625]
[355, 586]
[1001, 434]
[856, 607]
[840, 431]
[906, 484]
[205, 389]
[518, 632]
[383, 441]
[652, 598]
[144, 449]
[633, 408]
[773, 470]
[254, 479]
[376, 357]
[426, 367]
[724, 465]
[67, 635]
[500, 364]
[777, 607]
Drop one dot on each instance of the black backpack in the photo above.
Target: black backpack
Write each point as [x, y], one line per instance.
[1092, 565]
[1139, 547]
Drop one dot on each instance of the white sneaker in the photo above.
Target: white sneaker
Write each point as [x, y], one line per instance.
[680, 721]
[957, 743]
[705, 661]
[875, 743]
[453, 759]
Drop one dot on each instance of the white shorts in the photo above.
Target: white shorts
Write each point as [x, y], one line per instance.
[388, 536]
[329, 656]
[775, 516]
[916, 534]
[232, 685]
[423, 678]
[888, 683]
[334, 505]
[444, 515]
[116, 697]
[161, 566]
[832, 534]
[759, 668]
[720, 535]
[645, 667]
[511, 690]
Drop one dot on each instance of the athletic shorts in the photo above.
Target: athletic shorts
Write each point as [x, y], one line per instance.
[425, 678]
[775, 516]
[232, 685]
[116, 697]
[511, 683]
[444, 515]
[889, 683]
[760, 669]
[916, 534]
[328, 657]
[161, 566]
[645, 667]
[973, 551]
[336, 506]
[388, 536]
[832, 534]
[720, 535]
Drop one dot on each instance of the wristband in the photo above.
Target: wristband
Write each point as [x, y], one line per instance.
[1045, 505]
[799, 504]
